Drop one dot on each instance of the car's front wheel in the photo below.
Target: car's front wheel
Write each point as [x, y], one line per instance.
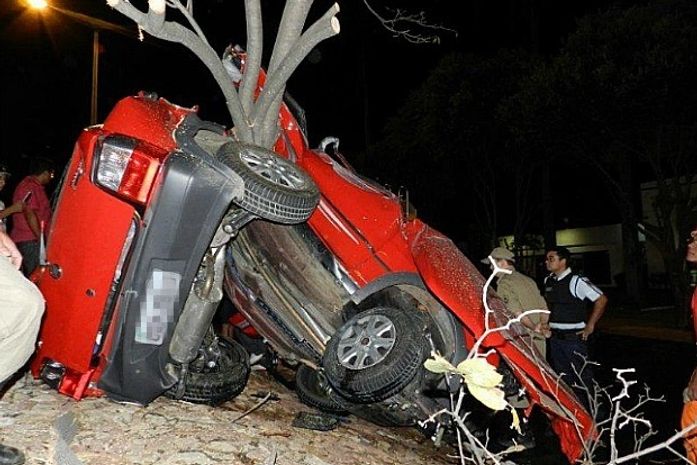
[313, 389]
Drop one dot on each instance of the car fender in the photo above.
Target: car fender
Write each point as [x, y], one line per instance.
[452, 278]
[458, 284]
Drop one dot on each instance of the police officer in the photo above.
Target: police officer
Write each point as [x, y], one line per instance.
[566, 294]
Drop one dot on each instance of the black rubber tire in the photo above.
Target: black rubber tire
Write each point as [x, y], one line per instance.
[388, 377]
[224, 382]
[282, 192]
[315, 392]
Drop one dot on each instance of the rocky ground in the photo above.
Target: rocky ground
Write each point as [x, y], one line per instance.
[53, 429]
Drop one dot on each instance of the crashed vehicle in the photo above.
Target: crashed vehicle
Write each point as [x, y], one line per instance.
[159, 212]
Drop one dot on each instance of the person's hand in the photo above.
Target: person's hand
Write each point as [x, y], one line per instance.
[586, 332]
[692, 247]
[17, 207]
[543, 329]
[9, 250]
[691, 390]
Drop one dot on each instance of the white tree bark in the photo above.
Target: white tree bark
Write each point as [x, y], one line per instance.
[254, 120]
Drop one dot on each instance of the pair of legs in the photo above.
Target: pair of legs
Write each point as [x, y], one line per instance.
[30, 255]
[568, 356]
[21, 308]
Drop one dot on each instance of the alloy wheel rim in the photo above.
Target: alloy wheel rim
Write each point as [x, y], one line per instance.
[366, 342]
[273, 168]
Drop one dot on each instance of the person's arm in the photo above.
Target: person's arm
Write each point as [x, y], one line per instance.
[11, 210]
[33, 222]
[508, 294]
[9, 250]
[597, 312]
[691, 390]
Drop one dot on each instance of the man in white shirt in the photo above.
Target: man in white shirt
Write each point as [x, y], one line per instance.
[566, 294]
[21, 307]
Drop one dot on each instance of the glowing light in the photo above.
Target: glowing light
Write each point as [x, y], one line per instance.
[37, 4]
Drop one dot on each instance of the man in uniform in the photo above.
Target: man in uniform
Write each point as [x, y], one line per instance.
[566, 294]
[520, 294]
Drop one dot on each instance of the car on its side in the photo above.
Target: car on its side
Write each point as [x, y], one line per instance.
[159, 212]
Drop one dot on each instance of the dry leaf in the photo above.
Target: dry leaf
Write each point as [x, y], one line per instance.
[438, 364]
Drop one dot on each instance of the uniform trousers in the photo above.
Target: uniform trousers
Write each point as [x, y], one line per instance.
[567, 355]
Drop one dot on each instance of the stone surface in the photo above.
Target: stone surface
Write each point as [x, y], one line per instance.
[177, 433]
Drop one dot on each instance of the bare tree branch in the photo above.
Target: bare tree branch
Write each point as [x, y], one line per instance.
[154, 23]
[269, 102]
[402, 22]
[255, 47]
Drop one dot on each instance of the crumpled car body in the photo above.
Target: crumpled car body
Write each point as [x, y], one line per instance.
[121, 264]
[361, 245]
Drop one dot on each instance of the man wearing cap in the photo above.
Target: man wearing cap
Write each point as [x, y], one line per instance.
[520, 294]
[566, 294]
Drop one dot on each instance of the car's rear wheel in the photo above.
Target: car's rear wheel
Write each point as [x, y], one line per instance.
[274, 188]
[313, 389]
[215, 379]
[375, 354]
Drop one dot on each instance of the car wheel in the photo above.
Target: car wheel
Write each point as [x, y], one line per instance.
[314, 390]
[375, 354]
[275, 189]
[213, 382]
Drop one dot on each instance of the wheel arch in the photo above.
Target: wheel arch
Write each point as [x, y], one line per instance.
[408, 289]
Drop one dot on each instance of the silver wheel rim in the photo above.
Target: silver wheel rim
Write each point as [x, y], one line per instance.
[366, 342]
[273, 168]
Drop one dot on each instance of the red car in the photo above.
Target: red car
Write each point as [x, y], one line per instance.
[158, 212]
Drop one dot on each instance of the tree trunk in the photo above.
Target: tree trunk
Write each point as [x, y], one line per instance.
[549, 231]
[633, 255]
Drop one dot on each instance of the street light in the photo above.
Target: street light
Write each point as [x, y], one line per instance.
[96, 25]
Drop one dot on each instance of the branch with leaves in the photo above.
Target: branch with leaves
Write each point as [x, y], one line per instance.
[482, 381]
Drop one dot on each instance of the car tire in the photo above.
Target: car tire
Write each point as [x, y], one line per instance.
[213, 386]
[375, 354]
[275, 189]
[316, 392]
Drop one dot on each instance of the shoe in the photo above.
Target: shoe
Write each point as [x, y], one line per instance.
[10, 456]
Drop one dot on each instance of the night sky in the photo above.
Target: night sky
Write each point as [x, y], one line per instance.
[348, 86]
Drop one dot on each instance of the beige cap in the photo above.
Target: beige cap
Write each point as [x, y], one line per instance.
[500, 253]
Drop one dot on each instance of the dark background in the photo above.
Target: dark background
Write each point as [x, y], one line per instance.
[349, 85]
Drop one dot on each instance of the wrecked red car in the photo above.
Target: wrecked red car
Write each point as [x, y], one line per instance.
[159, 213]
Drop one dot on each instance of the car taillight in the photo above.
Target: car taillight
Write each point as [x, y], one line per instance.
[127, 167]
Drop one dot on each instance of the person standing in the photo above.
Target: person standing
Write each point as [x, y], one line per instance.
[21, 307]
[566, 294]
[12, 209]
[689, 411]
[27, 227]
[520, 294]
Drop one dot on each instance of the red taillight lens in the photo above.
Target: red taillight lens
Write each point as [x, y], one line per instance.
[127, 167]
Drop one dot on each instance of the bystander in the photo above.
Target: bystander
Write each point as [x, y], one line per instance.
[28, 227]
[14, 208]
[689, 412]
[21, 307]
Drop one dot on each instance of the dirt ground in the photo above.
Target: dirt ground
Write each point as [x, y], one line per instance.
[53, 429]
